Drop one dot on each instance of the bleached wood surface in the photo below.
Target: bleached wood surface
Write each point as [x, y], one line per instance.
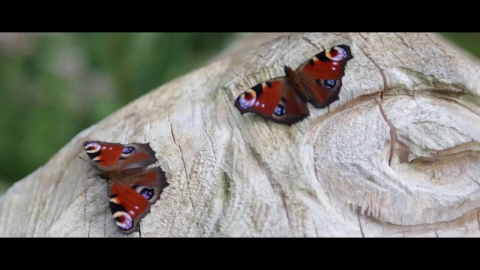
[329, 175]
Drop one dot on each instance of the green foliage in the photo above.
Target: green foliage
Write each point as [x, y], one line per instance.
[469, 41]
[52, 86]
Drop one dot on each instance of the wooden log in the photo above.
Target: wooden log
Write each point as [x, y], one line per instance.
[397, 155]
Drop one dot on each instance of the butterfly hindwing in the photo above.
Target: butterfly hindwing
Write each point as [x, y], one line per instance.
[322, 74]
[321, 93]
[150, 184]
[291, 108]
[131, 201]
[128, 207]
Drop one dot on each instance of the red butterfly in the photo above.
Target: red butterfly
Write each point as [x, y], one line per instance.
[133, 187]
[284, 99]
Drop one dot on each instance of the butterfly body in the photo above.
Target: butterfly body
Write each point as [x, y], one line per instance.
[284, 99]
[295, 81]
[133, 187]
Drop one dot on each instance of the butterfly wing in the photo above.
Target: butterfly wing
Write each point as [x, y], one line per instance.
[322, 75]
[128, 207]
[150, 184]
[108, 156]
[131, 199]
[274, 99]
[133, 188]
[136, 155]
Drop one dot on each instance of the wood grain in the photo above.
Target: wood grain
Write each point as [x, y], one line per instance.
[329, 175]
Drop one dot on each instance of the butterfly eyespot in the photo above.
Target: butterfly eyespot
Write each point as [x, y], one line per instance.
[92, 147]
[337, 53]
[147, 193]
[127, 151]
[123, 220]
[330, 83]
[247, 99]
[280, 110]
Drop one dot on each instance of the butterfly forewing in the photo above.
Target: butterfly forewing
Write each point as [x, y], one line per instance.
[261, 99]
[322, 74]
[136, 155]
[328, 64]
[105, 155]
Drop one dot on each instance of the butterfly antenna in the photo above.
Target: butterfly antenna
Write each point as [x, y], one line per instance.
[87, 162]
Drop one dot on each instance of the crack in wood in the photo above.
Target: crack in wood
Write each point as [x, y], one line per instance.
[281, 193]
[89, 227]
[393, 132]
[85, 209]
[382, 72]
[478, 219]
[360, 223]
[393, 53]
[408, 46]
[208, 136]
[184, 164]
[309, 41]
[55, 186]
[105, 223]
[267, 123]
[436, 45]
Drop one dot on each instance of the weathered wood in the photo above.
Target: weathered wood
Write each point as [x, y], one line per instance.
[329, 175]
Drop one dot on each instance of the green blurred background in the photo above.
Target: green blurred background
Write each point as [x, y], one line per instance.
[52, 86]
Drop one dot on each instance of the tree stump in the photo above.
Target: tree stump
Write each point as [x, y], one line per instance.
[397, 155]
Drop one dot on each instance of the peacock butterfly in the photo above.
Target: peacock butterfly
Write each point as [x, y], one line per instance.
[133, 188]
[284, 99]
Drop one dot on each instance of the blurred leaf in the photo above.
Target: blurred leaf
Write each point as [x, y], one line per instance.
[469, 41]
[55, 85]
